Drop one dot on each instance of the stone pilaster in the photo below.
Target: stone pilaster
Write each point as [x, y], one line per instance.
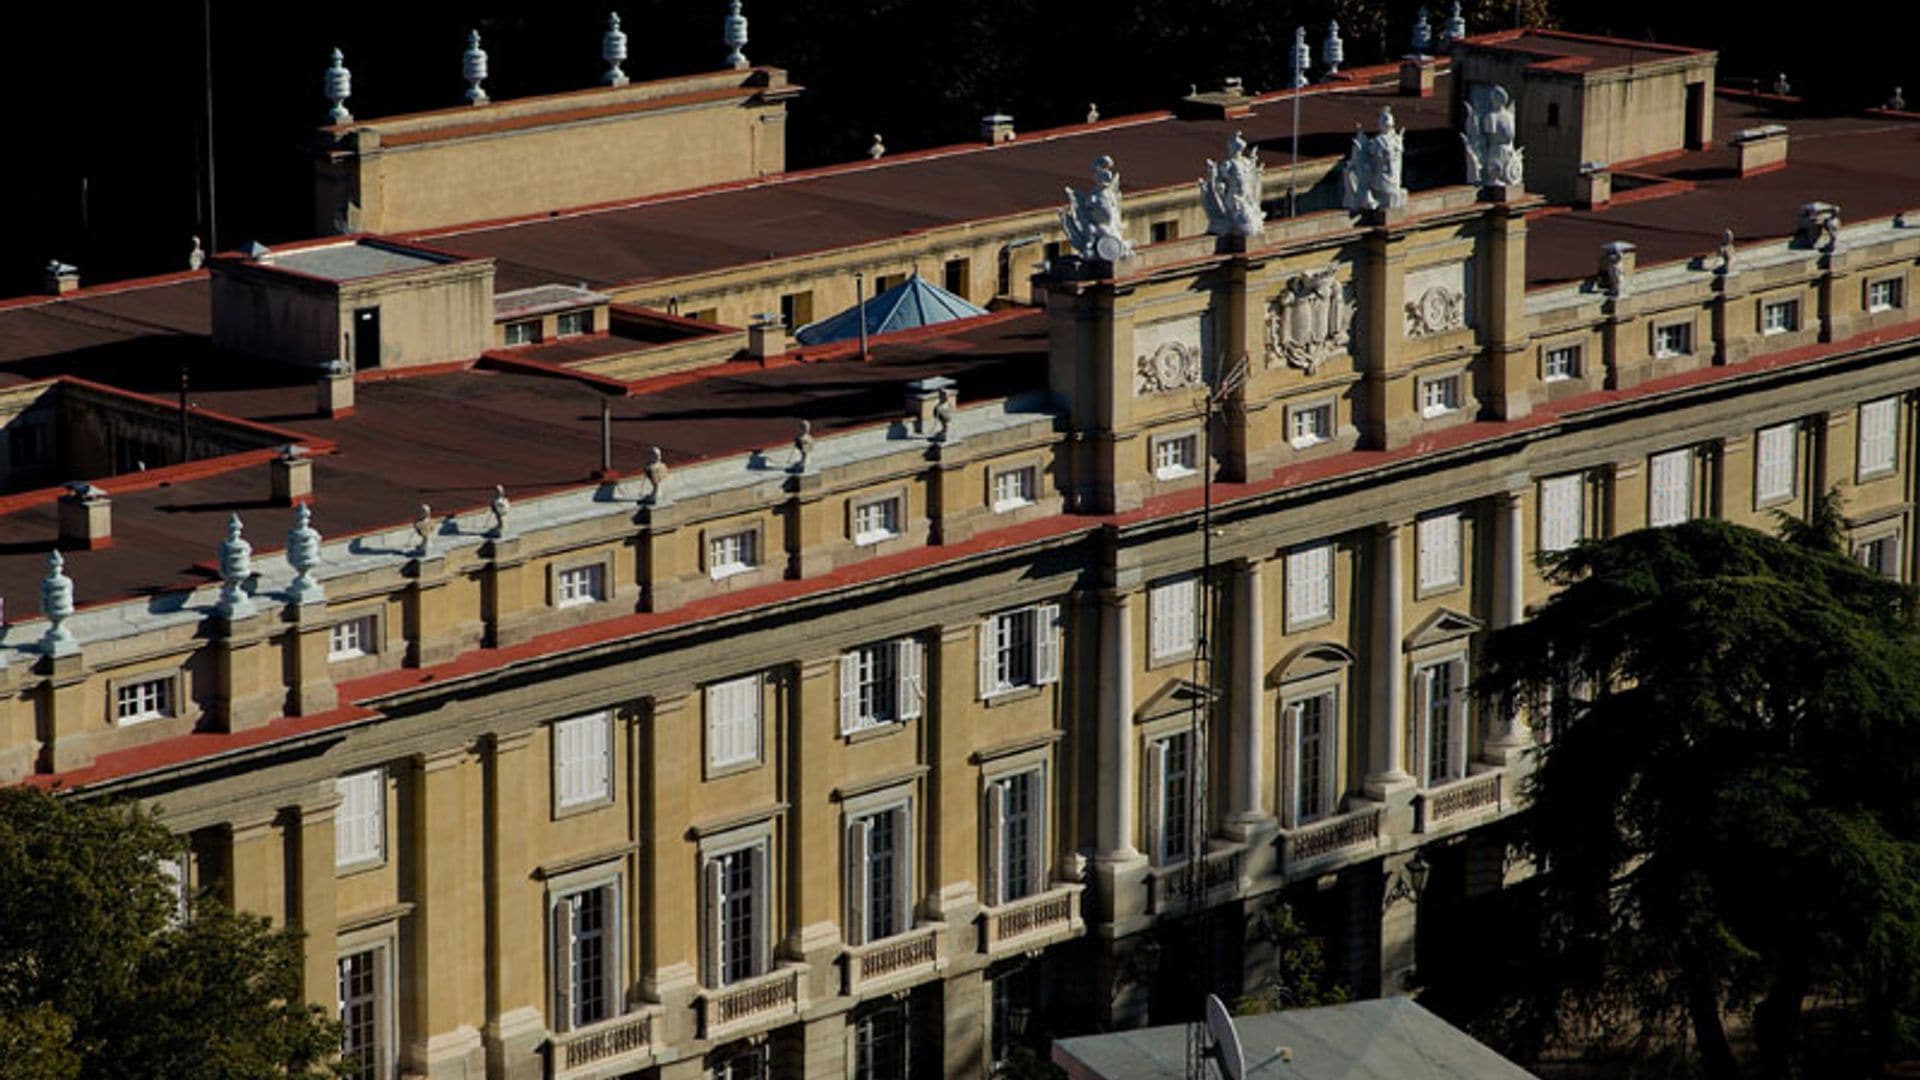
[516, 1023]
[247, 689]
[315, 892]
[953, 787]
[1250, 778]
[504, 587]
[69, 723]
[963, 1009]
[307, 645]
[256, 868]
[813, 883]
[429, 612]
[669, 934]
[441, 981]
[1506, 734]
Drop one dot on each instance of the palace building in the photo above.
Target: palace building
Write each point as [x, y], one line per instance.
[607, 685]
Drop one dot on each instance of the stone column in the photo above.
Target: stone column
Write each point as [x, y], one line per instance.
[1113, 830]
[516, 927]
[306, 645]
[1386, 766]
[441, 973]
[1249, 703]
[316, 891]
[504, 585]
[247, 688]
[1505, 735]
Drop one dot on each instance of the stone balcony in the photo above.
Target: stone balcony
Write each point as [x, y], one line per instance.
[1460, 803]
[1223, 875]
[902, 960]
[1331, 842]
[612, 1047]
[1031, 922]
[752, 1004]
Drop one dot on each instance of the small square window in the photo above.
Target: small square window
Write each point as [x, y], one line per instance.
[1175, 456]
[1014, 488]
[1884, 295]
[1780, 317]
[1309, 425]
[1880, 555]
[351, 638]
[146, 699]
[578, 585]
[1562, 362]
[796, 309]
[1163, 231]
[1440, 396]
[524, 332]
[732, 553]
[1673, 339]
[876, 520]
[573, 323]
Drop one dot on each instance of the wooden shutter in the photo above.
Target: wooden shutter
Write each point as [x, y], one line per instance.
[1290, 748]
[994, 811]
[1457, 716]
[1156, 799]
[989, 680]
[600, 769]
[859, 878]
[1037, 831]
[1330, 728]
[716, 725]
[562, 917]
[1423, 723]
[903, 883]
[762, 905]
[716, 930]
[850, 692]
[1046, 644]
[610, 971]
[907, 667]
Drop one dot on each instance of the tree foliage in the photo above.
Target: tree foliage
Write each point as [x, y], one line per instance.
[1297, 975]
[96, 980]
[1725, 816]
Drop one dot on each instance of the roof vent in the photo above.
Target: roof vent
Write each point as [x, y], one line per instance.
[62, 278]
[766, 336]
[292, 474]
[86, 517]
[996, 129]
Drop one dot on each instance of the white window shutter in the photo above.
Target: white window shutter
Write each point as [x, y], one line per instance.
[1037, 834]
[1457, 717]
[989, 679]
[716, 929]
[1156, 800]
[762, 906]
[1046, 644]
[1290, 805]
[716, 725]
[563, 964]
[994, 808]
[903, 867]
[859, 873]
[907, 667]
[850, 692]
[1330, 727]
[600, 770]
[1423, 725]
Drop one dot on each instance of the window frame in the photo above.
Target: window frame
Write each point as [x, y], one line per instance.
[907, 674]
[1571, 352]
[1453, 387]
[370, 644]
[858, 881]
[1790, 323]
[1867, 538]
[167, 701]
[1293, 698]
[1776, 438]
[1043, 643]
[1862, 469]
[1459, 719]
[1168, 805]
[749, 538]
[755, 844]
[599, 569]
[1659, 348]
[582, 323]
[754, 726]
[1687, 456]
[1896, 286]
[531, 332]
[1323, 407]
[563, 990]
[1551, 536]
[995, 852]
[892, 507]
[1030, 487]
[385, 1027]
[1174, 471]
[1171, 604]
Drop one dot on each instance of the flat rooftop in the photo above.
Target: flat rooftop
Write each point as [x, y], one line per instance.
[1561, 51]
[352, 260]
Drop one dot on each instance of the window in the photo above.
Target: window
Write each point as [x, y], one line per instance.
[737, 890]
[1310, 724]
[732, 553]
[1015, 836]
[1020, 648]
[1562, 512]
[578, 585]
[583, 760]
[733, 723]
[883, 282]
[143, 699]
[350, 638]
[1308, 425]
[1170, 798]
[1673, 339]
[1779, 316]
[1163, 231]
[573, 323]
[1171, 611]
[1879, 435]
[879, 875]
[1774, 461]
[524, 332]
[360, 825]
[1880, 555]
[1174, 456]
[876, 520]
[796, 309]
[586, 963]
[1884, 295]
[1309, 584]
[957, 277]
[1439, 542]
[880, 685]
[1670, 488]
[1014, 488]
[1440, 396]
[882, 1042]
[364, 1025]
[1443, 731]
[1562, 362]
[749, 1062]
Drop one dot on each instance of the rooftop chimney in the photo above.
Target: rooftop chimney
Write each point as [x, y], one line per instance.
[336, 390]
[766, 336]
[996, 129]
[86, 517]
[292, 473]
[62, 278]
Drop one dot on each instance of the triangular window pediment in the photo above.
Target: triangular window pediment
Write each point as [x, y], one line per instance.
[1440, 627]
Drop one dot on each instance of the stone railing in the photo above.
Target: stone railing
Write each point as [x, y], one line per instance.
[1220, 871]
[898, 959]
[622, 1043]
[1322, 841]
[1457, 799]
[760, 1000]
[1032, 921]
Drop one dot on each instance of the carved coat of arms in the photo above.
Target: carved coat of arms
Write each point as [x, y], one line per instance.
[1309, 322]
[1173, 366]
[1436, 310]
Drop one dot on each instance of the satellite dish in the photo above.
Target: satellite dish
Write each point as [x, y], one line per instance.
[1226, 1041]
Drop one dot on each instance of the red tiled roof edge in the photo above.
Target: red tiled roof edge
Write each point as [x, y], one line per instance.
[108, 288]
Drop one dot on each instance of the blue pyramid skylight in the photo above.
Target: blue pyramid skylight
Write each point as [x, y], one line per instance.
[912, 303]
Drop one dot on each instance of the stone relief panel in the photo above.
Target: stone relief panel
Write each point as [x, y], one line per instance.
[1311, 321]
[1171, 354]
[1439, 298]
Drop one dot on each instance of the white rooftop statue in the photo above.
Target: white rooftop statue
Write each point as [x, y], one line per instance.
[423, 530]
[1422, 32]
[1371, 180]
[303, 554]
[1231, 191]
[197, 257]
[734, 29]
[879, 148]
[803, 446]
[1332, 50]
[1093, 113]
[339, 87]
[656, 474]
[613, 49]
[1093, 221]
[1493, 161]
[1456, 23]
[473, 67]
[236, 566]
[56, 602]
[500, 506]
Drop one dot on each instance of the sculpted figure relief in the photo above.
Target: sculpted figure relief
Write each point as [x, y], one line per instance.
[1310, 322]
[1172, 366]
[1231, 192]
[1092, 221]
[1492, 158]
[1372, 177]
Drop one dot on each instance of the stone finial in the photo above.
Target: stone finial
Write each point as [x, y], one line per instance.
[734, 36]
[1333, 52]
[1781, 86]
[236, 567]
[1422, 42]
[339, 87]
[943, 415]
[613, 49]
[878, 150]
[1093, 112]
[473, 68]
[56, 602]
[803, 443]
[1302, 57]
[1456, 24]
[1230, 192]
[423, 530]
[1897, 101]
[500, 507]
[1093, 221]
[303, 554]
[197, 257]
[656, 474]
[1726, 252]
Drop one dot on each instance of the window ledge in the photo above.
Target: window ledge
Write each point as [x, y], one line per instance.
[873, 731]
[1311, 622]
[1013, 694]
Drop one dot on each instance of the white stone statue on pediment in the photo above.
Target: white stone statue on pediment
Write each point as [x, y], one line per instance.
[1230, 192]
[1493, 161]
[1093, 221]
[1371, 179]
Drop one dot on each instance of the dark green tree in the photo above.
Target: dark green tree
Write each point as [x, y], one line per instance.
[1725, 816]
[98, 980]
[1296, 975]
